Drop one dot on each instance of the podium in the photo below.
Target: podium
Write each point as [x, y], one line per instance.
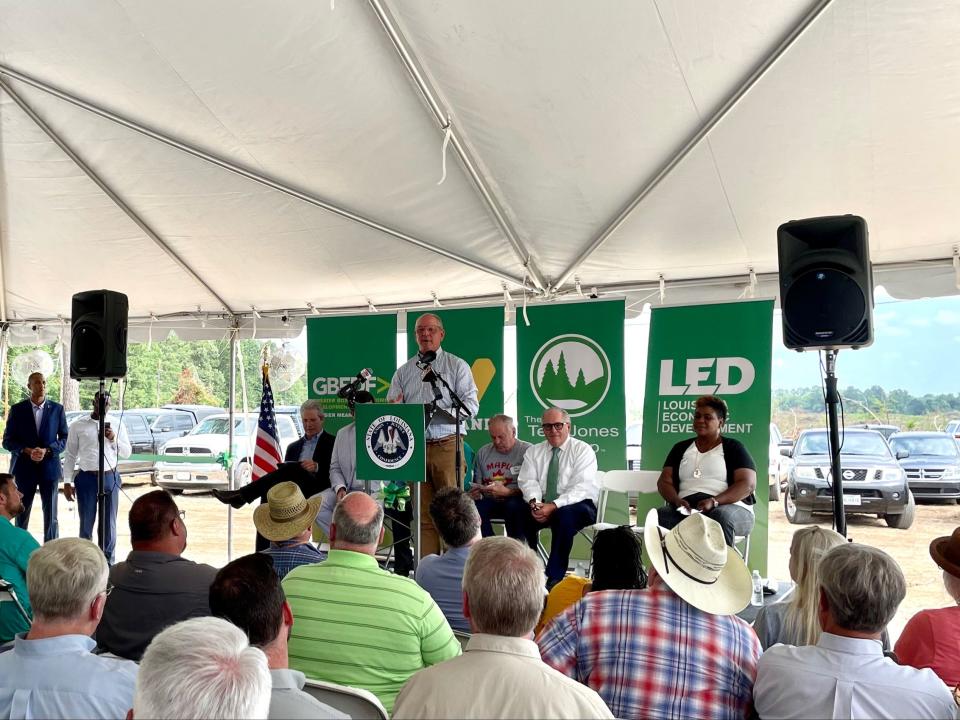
[391, 448]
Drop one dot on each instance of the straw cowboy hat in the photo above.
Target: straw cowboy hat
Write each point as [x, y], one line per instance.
[945, 552]
[286, 513]
[695, 562]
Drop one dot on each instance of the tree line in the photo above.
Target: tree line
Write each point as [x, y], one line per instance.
[873, 400]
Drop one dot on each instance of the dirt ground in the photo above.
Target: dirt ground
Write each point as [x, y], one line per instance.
[208, 538]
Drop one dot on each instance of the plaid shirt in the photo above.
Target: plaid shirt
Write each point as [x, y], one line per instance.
[287, 555]
[650, 654]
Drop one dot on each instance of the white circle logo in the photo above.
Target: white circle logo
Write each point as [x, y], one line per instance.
[571, 372]
[389, 442]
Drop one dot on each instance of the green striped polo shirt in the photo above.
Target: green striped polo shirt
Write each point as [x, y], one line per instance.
[355, 624]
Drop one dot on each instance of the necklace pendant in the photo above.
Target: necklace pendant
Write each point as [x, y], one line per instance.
[697, 473]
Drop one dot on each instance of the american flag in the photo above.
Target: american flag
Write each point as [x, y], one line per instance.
[266, 453]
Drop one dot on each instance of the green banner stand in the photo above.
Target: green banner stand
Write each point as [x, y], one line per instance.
[340, 347]
[391, 444]
[722, 349]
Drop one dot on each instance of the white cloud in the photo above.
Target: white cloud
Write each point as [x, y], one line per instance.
[948, 317]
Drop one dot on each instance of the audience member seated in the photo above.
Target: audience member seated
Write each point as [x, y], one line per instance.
[155, 587]
[286, 520]
[676, 649]
[500, 675]
[16, 545]
[247, 592]
[496, 467]
[617, 565]
[931, 638]
[357, 624]
[456, 518]
[846, 675]
[202, 668]
[51, 671]
[796, 621]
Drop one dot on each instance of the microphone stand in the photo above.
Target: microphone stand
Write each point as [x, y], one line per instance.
[101, 494]
[458, 407]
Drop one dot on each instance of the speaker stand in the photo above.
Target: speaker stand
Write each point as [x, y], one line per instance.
[833, 401]
[101, 495]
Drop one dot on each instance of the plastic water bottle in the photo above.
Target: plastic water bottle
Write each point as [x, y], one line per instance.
[757, 598]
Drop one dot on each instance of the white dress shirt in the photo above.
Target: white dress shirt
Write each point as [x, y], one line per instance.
[408, 378]
[843, 677]
[578, 472]
[37, 413]
[343, 463]
[83, 439]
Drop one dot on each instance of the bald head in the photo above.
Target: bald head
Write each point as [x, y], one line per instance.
[357, 524]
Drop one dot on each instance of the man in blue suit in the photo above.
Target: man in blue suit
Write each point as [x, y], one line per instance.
[35, 435]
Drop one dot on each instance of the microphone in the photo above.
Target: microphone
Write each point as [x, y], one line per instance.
[350, 389]
[426, 357]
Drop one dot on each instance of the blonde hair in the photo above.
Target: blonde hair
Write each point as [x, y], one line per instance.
[801, 620]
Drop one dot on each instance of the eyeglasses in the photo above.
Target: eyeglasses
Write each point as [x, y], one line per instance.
[554, 427]
[106, 593]
[182, 514]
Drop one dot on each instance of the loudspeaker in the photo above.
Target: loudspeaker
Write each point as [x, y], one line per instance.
[826, 283]
[98, 346]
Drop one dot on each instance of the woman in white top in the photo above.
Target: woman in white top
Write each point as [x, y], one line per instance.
[709, 473]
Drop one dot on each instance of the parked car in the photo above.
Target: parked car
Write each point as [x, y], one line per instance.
[953, 428]
[933, 466]
[172, 423]
[777, 464]
[138, 432]
[209, 439]
[885, 430]
[293, 412]
[873, 481]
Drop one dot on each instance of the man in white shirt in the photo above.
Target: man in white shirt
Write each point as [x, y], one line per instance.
[558, 480]
[500, 674]
[83, 446]
[845, 675]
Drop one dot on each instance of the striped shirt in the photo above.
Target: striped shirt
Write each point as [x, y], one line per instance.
[355, 624]
[288, 554]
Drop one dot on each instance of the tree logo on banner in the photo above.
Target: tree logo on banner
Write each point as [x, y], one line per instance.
[571, 372]
[389, 442]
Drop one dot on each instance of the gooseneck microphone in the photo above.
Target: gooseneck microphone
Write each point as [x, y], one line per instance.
[348, 390]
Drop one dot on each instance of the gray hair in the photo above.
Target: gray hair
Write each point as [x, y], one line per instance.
[64, 576]
[863, 586]
[202, 668]
[312, 404]
[563, 413]
[503, 580]
[501, 418]
[353, 532]
[430, 315]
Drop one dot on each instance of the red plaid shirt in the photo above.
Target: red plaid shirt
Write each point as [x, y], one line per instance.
[649, 654]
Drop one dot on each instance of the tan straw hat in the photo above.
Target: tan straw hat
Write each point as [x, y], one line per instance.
[696, 563]
[286, 513]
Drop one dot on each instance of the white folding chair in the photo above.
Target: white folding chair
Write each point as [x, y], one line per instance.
[358, 703]
[631, 482]
[9, 595]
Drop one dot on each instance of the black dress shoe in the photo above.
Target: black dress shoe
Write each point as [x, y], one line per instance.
[230, 497]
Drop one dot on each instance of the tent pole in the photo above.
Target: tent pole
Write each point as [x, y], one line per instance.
[250, 174]
[415, 67]
[231, 404]
[128, 211]
[705, 128]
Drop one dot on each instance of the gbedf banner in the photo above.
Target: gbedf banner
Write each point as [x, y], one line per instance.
[722, 349]
[390, 443]
[476, 336]
[571, 357]
[338, 348]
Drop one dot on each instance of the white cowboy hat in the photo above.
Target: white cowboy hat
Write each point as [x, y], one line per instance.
[286, 513]
[696, 563]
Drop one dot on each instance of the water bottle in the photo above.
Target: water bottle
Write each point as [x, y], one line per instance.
[757, 598]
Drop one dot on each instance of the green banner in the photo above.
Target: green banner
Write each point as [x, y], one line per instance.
[723, 349]
[571, 357]
[476, 335]
[391, 445]
[340, 347]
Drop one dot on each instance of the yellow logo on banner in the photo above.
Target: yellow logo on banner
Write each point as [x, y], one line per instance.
[483, 371]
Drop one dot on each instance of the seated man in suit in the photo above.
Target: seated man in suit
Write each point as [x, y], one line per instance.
[35, 435]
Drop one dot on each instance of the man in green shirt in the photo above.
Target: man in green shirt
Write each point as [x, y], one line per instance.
[15, 548]
[357, 624]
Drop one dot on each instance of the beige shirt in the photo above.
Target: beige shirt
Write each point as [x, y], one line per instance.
[506, 679]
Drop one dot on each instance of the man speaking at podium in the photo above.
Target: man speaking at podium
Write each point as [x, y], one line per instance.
[408, 386]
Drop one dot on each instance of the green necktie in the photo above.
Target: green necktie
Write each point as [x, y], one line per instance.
[553, 475]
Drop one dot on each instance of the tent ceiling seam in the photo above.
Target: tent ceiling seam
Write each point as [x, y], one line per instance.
[252, 175]
[109, 192]
[694, 140]
[419, 74]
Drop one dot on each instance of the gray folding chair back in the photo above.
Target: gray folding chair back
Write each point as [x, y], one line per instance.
[358, 703]
[9, 595]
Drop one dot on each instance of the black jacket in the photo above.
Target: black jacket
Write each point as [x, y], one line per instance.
[321, 456]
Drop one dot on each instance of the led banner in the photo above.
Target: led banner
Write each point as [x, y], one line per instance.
[571, 357]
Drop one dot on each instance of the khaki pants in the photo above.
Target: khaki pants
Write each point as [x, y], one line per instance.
[440, 474]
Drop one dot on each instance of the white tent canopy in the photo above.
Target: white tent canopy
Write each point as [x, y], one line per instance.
[209, 159]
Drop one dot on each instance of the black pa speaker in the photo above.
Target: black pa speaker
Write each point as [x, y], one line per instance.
[826, 283]
[98, 331]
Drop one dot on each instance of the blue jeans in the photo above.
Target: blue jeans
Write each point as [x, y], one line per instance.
[49, 492]
[512, 510]
[564, 524]
[733, 519]
[86, 485]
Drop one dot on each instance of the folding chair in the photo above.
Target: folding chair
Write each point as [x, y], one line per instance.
[631, 482]
[9, 595]
[358, 703]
